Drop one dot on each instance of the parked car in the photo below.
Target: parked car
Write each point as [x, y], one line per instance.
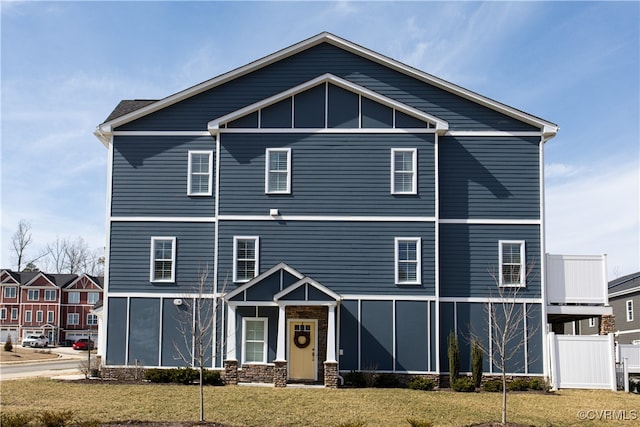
[35, 341]
[83, 344]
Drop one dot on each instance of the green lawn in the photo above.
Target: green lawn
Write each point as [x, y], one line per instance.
[265, 406]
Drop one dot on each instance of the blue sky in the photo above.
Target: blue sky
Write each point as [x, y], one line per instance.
[65, 65]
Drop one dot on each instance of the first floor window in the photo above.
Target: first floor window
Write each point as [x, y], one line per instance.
[592, 322]
[3, 313]
[33, 294]
[245, 258]
[511, 260]
[408, 256]
[629, 305]
[10, 292]
[14, 314]
[278, 171]
[73, 318]
[404, 178]
[92, 319]
[163, 255]
[39, 316]
[27, 316]
[51, 317]
[49, 295]
[74, 297]
[199, 173]
[254, 333]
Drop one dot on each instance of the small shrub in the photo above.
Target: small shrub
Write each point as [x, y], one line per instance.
[210, 377]
[15, 420]
[8, 345]
[476, 363]
[419, 423]
[463, 384]
[155, 375]
[518, 384]
[352, 424]
[421, 383]
[492, 386]
[386, 381]
[355, 379]
[184, 376]
[55, 419]
[538, 384]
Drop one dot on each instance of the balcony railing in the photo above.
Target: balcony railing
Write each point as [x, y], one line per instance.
[576, 279]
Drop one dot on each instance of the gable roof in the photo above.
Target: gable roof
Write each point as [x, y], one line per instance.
[127, 111]
[625, 285]
[78, 279]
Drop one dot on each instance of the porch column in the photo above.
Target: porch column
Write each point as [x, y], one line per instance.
[331, 334]
[231, 332]
[282, 332]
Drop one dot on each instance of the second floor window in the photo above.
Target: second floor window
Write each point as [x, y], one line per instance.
[27, 316]
[74, 297]
[404, 178]
[50, 295]
[511, 260]
[92, 319]
[33, 295]
[245, 258]
[51, 317]
[199, 173]
[10, 292]
[629, 305]
[408, 256]
[93, 297]
[39, 316]
[3, 313]
[163, 254]
[73, 318]
[278, 171]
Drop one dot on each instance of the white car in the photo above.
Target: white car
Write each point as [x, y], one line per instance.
[35, 341]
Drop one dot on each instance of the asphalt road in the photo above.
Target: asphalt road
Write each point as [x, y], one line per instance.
[68, 365]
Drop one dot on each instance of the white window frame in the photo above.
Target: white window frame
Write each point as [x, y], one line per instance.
[628, 305]
[39, 316]
[592, 322]
[93, 297]
[48, 292]
[14, 313]
[76, 296]
[256, 243]
[28, 316]
[265, 339]
[73, 318]
[35, 292]
[8, 294]
[414, 172]
[418, 261]
[152, 259]
[51, 316]
[522, 282]
[3, 313]
[209, 173]
[267, 170]
[92, 319]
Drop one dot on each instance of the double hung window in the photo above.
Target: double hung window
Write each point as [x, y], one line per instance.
[163, 257]
[199, 183]
[74, 297]
[512, 266]
[278, 171]
[245, 258]
[92, 319]
[39, 316]
[404, 176]
[3, 313]
[33, 294]
[93, 297]
[408, 265]
[14, 314]
[254, 333]
[73, 318]
[10, 292]
[629, 307]
[50, 317]
[27, 316]
[49, 295]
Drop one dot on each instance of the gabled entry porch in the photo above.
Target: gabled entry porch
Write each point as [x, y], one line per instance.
[281, 328]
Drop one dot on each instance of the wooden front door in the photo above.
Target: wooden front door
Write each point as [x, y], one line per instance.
[302, 349]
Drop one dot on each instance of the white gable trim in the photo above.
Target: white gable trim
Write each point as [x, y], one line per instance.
[29, 283]
[307, 281]
[103, 130]
[260, 277]
[440, 125]
[83, 275]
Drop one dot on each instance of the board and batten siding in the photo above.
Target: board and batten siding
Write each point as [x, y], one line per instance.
[489, 177]
[332, 174]
[130, 251]
[469, 255]
[348, 257]
[195, 112]
[150, 176]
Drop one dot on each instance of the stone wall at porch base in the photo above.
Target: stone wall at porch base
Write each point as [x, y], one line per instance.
[231, 372]
[331, 374]
[256, 373]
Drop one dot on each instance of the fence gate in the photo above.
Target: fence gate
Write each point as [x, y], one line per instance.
[582, 361]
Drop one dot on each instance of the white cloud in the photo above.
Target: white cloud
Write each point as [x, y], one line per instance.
[559, 170]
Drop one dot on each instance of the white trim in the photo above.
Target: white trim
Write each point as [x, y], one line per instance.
[166, 295]
[267, 170]
[308, 281]
[209, 154]
[580, 310]
[485, 300]
[629, 331]
[328, 130]
[414, 170]
[152, 259]
[327, 218]
[259, 278]
[256, 247]
[365, 297]
[265, 339]
[102, 335]
[160, 133]
[624, 292]
[492, 133]
[491, 221]
[418, 261]
[523, 264]
[216, 227]
[162, 219]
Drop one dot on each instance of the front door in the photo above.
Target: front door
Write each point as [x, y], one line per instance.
[302, 349]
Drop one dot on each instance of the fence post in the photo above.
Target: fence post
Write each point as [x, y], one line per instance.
[553, 362]
[625, 374]
[612, 362]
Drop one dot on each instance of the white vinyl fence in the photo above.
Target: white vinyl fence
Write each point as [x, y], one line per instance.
[630, 354]
[582, 361]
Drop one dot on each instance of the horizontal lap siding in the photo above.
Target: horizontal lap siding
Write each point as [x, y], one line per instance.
[194, 113]
[489, 177]
[469, 255]
[129, 261]
[347, 257]
[150, 176]
[343, 174]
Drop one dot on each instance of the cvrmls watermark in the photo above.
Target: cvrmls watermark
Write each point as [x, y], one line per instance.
[608, 414]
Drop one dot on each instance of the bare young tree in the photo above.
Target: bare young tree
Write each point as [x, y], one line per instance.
[56, 255]
[20, 241]
[195, 323]
[76, 254]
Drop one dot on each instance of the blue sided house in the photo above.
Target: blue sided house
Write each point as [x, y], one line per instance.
[338, 210]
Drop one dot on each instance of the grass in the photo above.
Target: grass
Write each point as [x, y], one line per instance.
[22, 354]
[262, 406]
